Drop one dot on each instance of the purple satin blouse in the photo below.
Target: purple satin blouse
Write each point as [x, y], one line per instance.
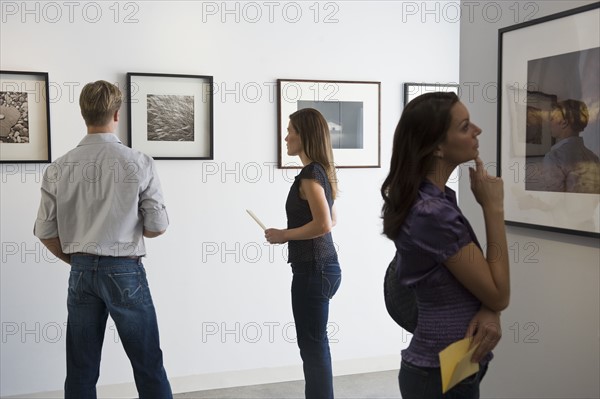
[434, 230]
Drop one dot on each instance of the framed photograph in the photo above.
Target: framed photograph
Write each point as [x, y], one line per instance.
[24, 117]
[548, 122]
[412, 90]
[171, 116]
[352, 111]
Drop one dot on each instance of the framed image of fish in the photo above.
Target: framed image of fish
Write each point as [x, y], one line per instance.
[352, 111]
[24, 117]
[549, 122]
[171, 116]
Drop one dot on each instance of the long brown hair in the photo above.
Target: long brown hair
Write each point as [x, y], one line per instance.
[316, 142]
[422, 127]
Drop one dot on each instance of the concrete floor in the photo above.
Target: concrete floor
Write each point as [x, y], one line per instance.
[381, 385]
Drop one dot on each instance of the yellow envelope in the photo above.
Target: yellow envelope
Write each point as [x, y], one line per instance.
[455, 363]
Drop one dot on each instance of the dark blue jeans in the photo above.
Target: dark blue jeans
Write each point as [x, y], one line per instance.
[426, 383]
[103, 285]
[313, 285]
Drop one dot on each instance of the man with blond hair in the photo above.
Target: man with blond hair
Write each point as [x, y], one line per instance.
[570, 166]
[98, 202]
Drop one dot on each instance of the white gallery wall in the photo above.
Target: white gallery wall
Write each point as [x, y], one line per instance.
[551, 330]
[222, 294]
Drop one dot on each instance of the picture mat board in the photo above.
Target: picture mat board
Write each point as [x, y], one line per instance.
[568, 211]
[159, 85]
[368, 93]
[38, 147]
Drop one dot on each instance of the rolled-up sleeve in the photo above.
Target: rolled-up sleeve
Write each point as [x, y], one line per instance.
[152, 206]
[46, 225]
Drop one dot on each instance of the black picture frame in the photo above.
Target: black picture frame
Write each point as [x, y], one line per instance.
[343, 103]
[171, 115]
[542, 64]
[24, 117]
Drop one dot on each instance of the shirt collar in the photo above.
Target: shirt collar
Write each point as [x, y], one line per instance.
[431, 189]
[572, 139]
[99, 138]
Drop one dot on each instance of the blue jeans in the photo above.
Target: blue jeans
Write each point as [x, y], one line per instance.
[103, 285]
[313, 285]
[426, 383]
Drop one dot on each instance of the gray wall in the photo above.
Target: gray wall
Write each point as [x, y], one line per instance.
[551, 328]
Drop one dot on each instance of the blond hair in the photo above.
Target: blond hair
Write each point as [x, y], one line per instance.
[575, 113]
[99, 101]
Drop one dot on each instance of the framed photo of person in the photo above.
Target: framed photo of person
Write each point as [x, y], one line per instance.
[548, 121]
[24, 117]
[352, 111]
[171, 116]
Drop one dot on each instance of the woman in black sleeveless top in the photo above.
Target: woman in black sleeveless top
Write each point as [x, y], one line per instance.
[316, 271]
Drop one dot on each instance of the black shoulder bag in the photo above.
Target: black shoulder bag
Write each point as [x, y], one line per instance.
[400, 301]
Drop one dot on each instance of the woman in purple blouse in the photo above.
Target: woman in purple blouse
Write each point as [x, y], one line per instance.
[460, 290]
